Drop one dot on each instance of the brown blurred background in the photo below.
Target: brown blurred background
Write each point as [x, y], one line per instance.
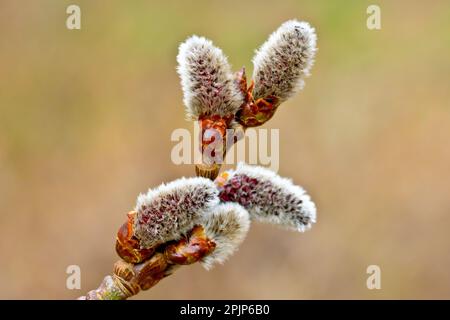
[85, 123]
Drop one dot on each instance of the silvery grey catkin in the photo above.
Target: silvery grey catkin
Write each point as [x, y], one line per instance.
[268, 197]
[206, 79]
[171, 210]
[284, 60]
[227, 225]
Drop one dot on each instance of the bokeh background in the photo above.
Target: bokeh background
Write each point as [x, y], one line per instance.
[85, 124]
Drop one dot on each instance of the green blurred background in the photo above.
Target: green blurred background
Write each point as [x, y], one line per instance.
[85, 123]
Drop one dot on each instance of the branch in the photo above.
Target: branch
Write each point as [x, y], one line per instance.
[129, 279]
[205, 219]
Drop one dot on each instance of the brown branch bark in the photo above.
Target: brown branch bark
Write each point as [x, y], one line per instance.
[129, 279]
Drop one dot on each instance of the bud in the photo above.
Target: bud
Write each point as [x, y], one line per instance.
[206, 79]
[171, 210]
[284, 60]
[226, 225]
[267, 197]
[211, 96]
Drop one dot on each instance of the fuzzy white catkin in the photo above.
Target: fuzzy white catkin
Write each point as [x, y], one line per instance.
[284, 60]
[206, 79]
[269, 197]
[227, 225]
[171, 210]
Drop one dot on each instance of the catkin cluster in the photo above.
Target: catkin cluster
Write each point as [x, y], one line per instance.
[224, 208]
[280, 66]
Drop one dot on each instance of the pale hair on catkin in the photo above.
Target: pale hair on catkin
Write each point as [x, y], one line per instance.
[169, 211]
[227, 225]
[269, 197]
[206, 79]
[284, 60]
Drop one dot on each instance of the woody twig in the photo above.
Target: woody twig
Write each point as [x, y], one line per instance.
[206, 218]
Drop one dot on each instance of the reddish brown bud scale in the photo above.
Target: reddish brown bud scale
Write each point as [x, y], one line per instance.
[127, 246]
[191, 249]
[212, 127]
[254, 113]
[215, 122]
[135, 277]
[149, 273]
[241, 80]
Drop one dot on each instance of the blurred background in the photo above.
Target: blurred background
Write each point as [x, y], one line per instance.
[85, 123]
